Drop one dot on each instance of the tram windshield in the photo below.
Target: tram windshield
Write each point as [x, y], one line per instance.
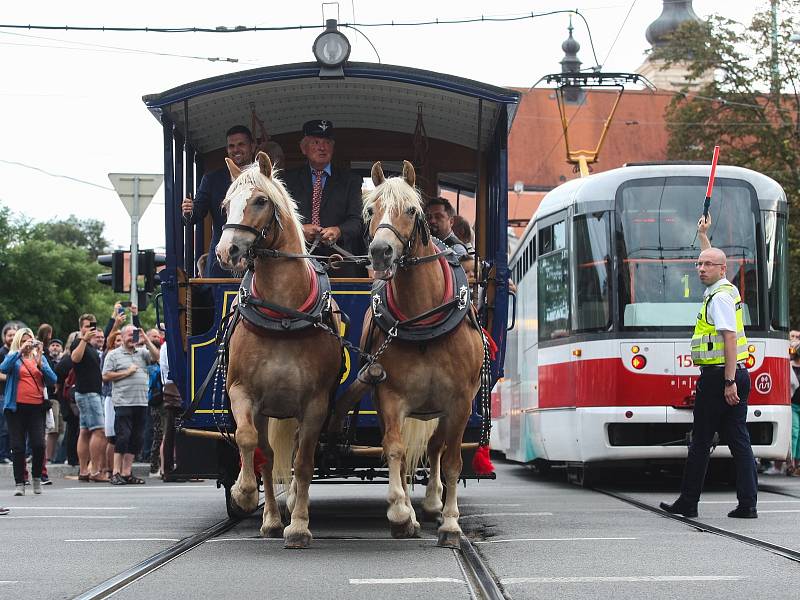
[657, 248]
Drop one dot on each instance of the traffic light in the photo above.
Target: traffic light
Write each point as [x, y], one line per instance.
[148, 264]
[116, 279]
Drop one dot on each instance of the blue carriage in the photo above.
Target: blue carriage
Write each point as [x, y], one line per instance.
[454, 130]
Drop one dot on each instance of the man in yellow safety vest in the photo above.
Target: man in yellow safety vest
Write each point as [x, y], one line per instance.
[719, 348]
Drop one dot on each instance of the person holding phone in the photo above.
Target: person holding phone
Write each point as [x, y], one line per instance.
[85, 354]
[126, 368]
[24, 405]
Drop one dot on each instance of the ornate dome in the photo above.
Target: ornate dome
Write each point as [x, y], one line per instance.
[570, 63]
[673, 14]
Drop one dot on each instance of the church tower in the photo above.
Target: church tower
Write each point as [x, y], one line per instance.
[673, 14]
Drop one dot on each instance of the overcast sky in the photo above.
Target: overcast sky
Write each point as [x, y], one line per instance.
[71, 101]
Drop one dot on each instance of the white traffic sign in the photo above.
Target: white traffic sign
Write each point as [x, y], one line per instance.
[125, 185]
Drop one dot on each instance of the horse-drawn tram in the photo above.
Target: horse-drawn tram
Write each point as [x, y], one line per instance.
[599, 371]
[434, 340]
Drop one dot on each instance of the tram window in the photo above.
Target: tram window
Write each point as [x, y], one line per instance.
[592, 272]
[553, 237]
[775, 234]
[656, 247]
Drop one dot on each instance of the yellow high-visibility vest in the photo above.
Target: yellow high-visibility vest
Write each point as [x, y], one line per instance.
[708, 347]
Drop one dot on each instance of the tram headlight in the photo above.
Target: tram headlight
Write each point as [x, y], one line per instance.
[635, 349]
[750, 361]
[638, 362]
[751, 349]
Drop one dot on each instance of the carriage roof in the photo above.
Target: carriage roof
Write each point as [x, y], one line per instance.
[370, 96]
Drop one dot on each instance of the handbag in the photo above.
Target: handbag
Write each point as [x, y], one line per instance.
[172, 396]
[49, 420]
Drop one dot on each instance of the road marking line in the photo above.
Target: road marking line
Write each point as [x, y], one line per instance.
[131, 488]
[126, 540]
[1, 582]
[508, 514]
[514, 505]
[321, 539]
[72, 507]
[572, 539]
[759, 502]
[788, 510]
[406, 580]
[510, 580]
[63, 517]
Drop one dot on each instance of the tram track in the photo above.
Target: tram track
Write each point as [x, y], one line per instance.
[788, 553]
[770, 489]
[152, 563]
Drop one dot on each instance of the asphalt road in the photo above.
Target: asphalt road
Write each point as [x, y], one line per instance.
[541, 537]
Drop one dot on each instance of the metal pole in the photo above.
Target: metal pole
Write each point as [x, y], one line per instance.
[135, 242]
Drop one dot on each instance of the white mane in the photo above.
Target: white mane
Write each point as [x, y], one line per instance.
[285, 206]
[396, 197]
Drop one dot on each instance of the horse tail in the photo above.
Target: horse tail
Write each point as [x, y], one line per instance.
[281, 434]
[415, 434]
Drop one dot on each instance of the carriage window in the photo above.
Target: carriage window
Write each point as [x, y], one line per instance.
[775, 234]
[553, 282]
[657, 246]
[592, 272]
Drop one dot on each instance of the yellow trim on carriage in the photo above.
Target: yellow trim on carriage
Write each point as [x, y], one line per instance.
[206, 343]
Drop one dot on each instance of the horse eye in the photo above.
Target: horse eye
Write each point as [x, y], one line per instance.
[410, 211]
[260, 201]
[369, 211]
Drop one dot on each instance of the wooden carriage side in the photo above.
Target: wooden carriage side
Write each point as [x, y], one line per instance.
[455, 129]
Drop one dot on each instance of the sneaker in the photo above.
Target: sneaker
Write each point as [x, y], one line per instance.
[37, 485]
[46, 480]
[19, 489]
[4, 510]
[27, 482]
[773, 471]
[4, 461]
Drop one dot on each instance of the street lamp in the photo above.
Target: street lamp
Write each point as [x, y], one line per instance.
[136, 190]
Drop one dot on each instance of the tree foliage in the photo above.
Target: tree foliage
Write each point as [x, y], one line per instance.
[48, 272]
[739, 110]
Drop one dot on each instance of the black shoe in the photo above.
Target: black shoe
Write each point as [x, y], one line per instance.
[742, 512]
[46, 480]
[678, 508]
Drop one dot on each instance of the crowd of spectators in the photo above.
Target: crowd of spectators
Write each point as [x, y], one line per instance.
[94, 402]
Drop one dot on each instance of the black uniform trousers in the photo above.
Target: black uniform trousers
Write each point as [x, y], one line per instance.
[711, 415]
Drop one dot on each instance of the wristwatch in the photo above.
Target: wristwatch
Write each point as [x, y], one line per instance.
[730, 382]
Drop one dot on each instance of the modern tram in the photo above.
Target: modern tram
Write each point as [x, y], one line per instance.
[455, 130]
[598, 369]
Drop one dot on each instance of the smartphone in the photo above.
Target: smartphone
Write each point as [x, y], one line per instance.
[126, 303]
[135, 336]
[121, 311]
[93, 325]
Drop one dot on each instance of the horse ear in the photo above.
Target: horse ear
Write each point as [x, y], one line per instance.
[232, 168]
[377, 174]
[409, 174]
[264, 164]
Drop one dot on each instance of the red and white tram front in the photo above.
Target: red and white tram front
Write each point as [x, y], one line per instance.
[616, 295]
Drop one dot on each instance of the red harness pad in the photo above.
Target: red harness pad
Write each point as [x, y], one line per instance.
[433, 319]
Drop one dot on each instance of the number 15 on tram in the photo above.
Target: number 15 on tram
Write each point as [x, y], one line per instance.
[599, 368]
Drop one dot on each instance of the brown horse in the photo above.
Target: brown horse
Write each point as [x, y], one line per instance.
[276, 379]
[427, 381]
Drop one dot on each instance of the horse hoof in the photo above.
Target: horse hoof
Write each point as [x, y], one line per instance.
[243, 502]
[297, 540]
[409, 529]
[272, 532]
[449, 539]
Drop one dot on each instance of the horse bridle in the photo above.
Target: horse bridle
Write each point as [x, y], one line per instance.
[253, 250]
[420, 228]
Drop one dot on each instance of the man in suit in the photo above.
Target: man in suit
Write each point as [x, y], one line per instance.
[241, 148]
[328, 198]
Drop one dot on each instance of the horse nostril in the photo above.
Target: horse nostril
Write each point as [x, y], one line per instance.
[387, 252]
[234, 250]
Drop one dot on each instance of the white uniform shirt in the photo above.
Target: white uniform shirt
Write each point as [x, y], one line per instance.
[721, 310]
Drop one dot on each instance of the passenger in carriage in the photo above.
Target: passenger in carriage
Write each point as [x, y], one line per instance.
[440, 214]
[240, 148]
[328, 197]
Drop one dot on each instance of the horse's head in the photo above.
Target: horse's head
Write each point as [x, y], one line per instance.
[396, 221]
[257, 206]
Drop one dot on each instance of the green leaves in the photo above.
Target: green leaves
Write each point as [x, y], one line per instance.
[47, 272]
